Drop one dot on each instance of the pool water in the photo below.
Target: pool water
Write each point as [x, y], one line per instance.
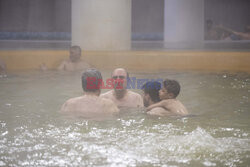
[33, 133]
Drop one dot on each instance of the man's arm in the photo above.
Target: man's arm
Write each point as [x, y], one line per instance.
[159, 104]
[159, 111]
[67, 107]
[242, 35]
[164, 104]
[61, 67]
[110, 106]
[139, 101]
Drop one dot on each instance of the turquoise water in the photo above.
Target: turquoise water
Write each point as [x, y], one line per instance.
[33, 133]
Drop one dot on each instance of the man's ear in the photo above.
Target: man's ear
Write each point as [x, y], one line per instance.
[171, 95]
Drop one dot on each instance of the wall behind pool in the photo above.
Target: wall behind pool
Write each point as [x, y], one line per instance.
[133, 60]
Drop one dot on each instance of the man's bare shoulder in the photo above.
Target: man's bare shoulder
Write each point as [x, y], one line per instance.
[66, 61]
[107, 94]
[136, 98]
[72, 101]
[109, 105]
[134, 94]
[107, 102]
[62, 65]
[75, 99]
[84, 63]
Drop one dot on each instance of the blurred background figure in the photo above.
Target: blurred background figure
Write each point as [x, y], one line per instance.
[235, 35]
[74, 63]
[215, 32]
[210, 31]
[2, 68]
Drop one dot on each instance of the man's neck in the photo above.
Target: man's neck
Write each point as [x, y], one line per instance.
[120, 93]
[97, 93]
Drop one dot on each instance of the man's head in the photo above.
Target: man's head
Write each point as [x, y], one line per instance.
[209, 24]
[170, 89]
[120, 76]
[151, 93]
[90, 80]
[75, 53]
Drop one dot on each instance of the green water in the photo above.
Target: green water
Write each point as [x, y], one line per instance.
[33, 133]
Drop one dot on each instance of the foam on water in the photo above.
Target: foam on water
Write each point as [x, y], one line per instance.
[120, 144]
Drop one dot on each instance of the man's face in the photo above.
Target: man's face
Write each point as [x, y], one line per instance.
[75, 54]
[163, 94]
[120, 79]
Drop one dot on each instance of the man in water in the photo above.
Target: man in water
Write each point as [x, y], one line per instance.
[168, 93]
[90, 105]
[120, 95]
[74, 62]
[151, 96]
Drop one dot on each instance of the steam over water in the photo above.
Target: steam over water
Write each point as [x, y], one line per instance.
[32, 133]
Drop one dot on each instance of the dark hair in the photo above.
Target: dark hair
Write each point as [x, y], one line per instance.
[172, 86]
[76, 47]
[87, 76]
[152, 88]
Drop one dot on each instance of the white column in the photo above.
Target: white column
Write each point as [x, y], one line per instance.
[101, 24]
[184, 21]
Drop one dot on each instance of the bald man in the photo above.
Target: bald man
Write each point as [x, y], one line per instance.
[120, 95]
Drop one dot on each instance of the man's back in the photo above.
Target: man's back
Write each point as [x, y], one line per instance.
[159, 111]
[175, 106]
[89, 107]
[131, 99]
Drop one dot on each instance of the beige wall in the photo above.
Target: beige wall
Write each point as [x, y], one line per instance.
[134, 60]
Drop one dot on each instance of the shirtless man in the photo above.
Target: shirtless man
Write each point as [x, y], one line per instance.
[74, 62]
[120, 95]
[168, 93]
[151, 96]
[238, 35]
[90, 105]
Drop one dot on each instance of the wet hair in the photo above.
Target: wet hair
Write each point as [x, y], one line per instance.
[90, 80]
[172, 86]
[76, 47]
[152, 88]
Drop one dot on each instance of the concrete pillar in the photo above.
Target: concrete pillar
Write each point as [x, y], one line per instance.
[101, 24]
[184, 21]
